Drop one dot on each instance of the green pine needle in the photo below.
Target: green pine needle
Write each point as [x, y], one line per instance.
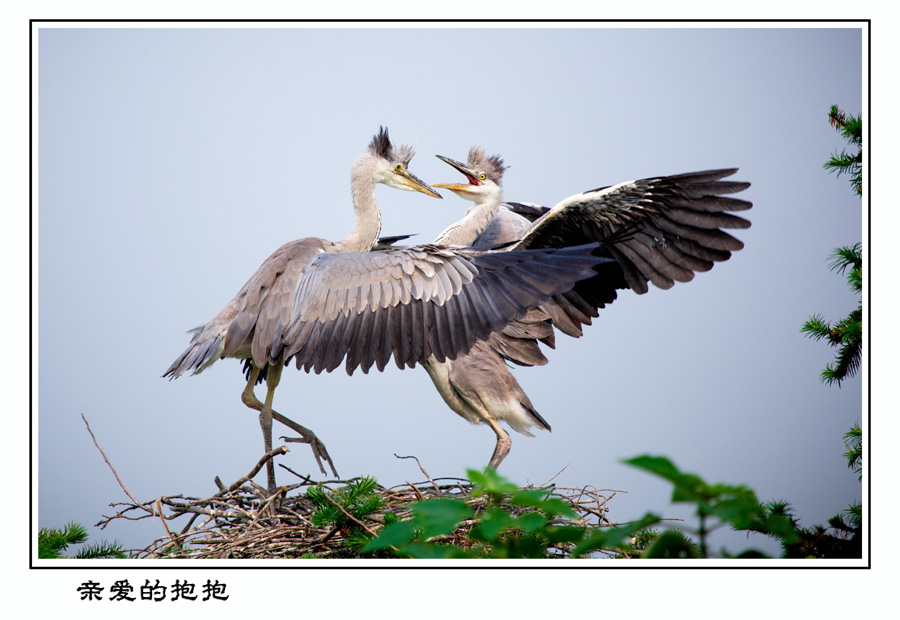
[52, 542]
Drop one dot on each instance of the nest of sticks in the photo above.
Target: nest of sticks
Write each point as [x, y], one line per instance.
[241, 521]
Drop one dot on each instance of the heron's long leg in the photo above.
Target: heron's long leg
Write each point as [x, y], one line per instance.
[306, 435]
[475, 404]
[248, 397]
[504, 443]
[265, 419]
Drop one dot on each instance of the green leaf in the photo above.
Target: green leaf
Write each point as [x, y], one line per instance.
[427, 551]
[613, 538]
[492, 522]
[490, 482]
[531, 521]
[688, 487]
[739, 506]
[555, 506]
[439, 516]
[529, 497]
[518, 547]
[564, 534]
[658, 465]
[393, 535]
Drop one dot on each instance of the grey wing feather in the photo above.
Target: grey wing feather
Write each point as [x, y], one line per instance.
[206, 344]
[264, 303]
[518, 342]
[660, 230]
[455, 298]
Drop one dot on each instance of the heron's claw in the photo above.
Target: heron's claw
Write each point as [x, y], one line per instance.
[318, 448]
[308, 437]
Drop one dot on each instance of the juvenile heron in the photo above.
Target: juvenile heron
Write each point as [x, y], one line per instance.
[659, 230]
[319, 301]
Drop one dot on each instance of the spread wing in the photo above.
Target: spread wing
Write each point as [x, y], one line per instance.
[264, 303]
[246, 326]
[416, 302]
[660, 230]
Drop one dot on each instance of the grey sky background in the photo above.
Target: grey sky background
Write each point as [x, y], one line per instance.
[174, 161]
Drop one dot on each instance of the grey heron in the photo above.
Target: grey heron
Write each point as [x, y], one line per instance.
[659, 230]
[318, 302]
[247, 325]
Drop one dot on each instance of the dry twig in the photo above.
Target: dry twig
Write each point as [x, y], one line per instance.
[103, 454]
[422, 469]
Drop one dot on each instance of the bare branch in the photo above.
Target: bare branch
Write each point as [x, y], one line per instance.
[422, 469]
[113, 469]
[162, 518]
[269, 455]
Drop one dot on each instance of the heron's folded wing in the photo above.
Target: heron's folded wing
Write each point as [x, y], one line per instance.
[660, 230]
[416, 302]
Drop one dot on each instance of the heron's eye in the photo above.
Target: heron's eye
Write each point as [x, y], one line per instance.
[482, 176]
[398, 168]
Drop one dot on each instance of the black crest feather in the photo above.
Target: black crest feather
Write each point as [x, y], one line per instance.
[492, 166]
[382, 147]
[381, 144]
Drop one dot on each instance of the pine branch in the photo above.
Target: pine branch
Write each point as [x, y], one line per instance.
[846, 364]
[816, 327]
[853, 441]
[101, 550]
[844, 257]
[845, 334]
[52, 542]
[854, 514]
[851, 129]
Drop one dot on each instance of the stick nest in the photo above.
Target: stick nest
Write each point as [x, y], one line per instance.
[241, 521]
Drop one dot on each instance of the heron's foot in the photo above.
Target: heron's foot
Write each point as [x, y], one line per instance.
[307, 437]
[318, 448]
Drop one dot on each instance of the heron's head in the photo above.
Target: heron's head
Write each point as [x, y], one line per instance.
[484, 175]
[388, 165]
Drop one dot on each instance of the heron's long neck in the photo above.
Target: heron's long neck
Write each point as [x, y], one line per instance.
[368, 218]
[467, 230]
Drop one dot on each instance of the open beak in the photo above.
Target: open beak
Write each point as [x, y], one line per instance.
[470, 174]
[414, 183]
